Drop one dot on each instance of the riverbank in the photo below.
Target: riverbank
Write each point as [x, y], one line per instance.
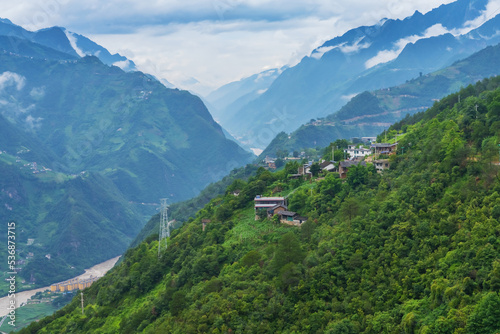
[21, 298]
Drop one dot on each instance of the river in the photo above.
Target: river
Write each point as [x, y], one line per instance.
[22, 297]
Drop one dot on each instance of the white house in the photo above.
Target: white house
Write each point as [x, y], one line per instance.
[357, 152]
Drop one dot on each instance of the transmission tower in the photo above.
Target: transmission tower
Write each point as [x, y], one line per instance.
[164, 232]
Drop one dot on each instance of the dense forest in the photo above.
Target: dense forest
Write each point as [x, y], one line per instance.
[412, 250]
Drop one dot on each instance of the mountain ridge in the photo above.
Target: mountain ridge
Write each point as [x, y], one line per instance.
[359, 117]
[366, 55]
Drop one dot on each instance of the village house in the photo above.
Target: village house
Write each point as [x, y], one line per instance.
[384, 148]
[305, 168]
[357, 152]
[264, 203]
[345, 165]
[328, 166]
[381, 165]
[276, 209]
[291, 218]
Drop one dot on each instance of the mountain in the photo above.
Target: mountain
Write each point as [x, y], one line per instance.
[145, 137]
[224, 101]
[59, 39]
[364, 58]
[87, 151]
[64, 223]
[228, 97]
[369, 113]
[412, 250]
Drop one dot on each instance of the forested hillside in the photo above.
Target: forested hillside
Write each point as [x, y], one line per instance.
[413, 250]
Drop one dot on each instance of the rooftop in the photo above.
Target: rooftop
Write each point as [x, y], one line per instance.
[349, 163]
[258, 198]
[383, 145]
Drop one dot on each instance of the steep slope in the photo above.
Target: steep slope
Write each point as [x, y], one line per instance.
[86, 152]
[185, 211]
[73, 221]
[411, 251]
[365, 58]
[148, 139]
[369, 113]
[58, 39]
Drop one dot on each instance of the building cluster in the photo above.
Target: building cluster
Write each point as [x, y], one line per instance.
[73, 284]
[277, 206]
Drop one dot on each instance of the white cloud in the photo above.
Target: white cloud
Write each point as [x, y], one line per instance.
[37, 92]
[355, 47]
[385, 56]
[33, 123]
[11, 79]
[214, 41]
[348, 97]
[72, 41]
[123, 64]
[319, 52]
[492, 10]
[261, 91]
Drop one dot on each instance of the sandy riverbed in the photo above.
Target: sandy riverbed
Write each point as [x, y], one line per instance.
[22, 297]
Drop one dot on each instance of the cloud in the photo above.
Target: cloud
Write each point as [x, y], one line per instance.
[348, 97]
[72, 40]
[11, 79]
[492, 10]
[354, 47]
[37, 92]
[385, 56]
[123, 64]
[33, 123]
[343, 47]
[319, 52]
[215, 41]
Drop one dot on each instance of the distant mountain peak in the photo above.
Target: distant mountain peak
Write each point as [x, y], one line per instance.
[7, 21]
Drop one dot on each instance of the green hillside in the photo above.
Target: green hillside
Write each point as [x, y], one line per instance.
[77, 220]
[86, 152]
[186, 210]
[413, 250]
[369, 113]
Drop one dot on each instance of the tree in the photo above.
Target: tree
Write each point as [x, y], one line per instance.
[486, 316]
[279, 163]
[288, 251]
[315, 169]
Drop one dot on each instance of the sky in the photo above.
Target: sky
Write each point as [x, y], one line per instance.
[201, 45]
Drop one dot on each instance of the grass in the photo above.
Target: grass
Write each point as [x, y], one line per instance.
[248, 228]
[27, 314]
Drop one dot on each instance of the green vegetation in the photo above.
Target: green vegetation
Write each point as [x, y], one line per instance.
[87, 150]
[182, 211]
[368, 113]
[413, 250]
[33, 312]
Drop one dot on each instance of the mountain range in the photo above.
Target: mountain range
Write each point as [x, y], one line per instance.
[16, 39]
[88, 149]
[364, 58]
[369, 113]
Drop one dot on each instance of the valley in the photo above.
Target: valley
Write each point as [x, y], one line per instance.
[351, 186]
